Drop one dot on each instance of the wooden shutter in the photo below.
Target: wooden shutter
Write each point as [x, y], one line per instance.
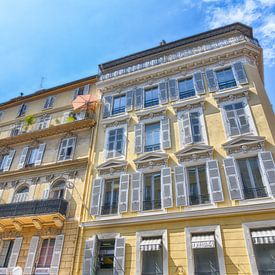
[173, 89]
[138, 98]
[163, 92]
[180, 186]
[95, 196]
[268, 165]
[139, 138]
[119, 255]
[215, 180]
[165, 132]
[136, 188]
[40, 153]
[31, 255]
[123, 193]
[23, 156]
[230, 115]
[211, 80]
[107, 101]
[129, 100]
[109, 153]
[186, 126]
[90, 254]
[198, 82]
[166, 187]
[15, 252]
[232, 178]
[239, 73]
[57, 252]
[9, 160]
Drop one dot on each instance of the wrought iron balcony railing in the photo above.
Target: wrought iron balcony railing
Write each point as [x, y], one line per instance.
[151, 204]
[267, 271]
[253, 193]
[187, 93]
[151, 102]
[199, 199]
[36, 207]
[153, 147]
[118, 110]
[227, 84]
[109, 209]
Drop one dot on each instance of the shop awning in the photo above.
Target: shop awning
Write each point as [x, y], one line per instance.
[150, 245]
[203, 241]
[263, 236]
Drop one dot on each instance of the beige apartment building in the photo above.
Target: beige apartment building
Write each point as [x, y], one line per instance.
[44, 151]
[183, 175]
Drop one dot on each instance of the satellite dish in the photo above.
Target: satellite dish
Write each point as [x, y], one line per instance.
[17, 271]
[69, 185]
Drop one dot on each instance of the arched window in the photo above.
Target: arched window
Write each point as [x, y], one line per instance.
[22, 194]
[58, 190]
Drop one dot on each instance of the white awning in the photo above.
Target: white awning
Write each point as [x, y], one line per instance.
[150, 245]
[203, 241]
[263, 236]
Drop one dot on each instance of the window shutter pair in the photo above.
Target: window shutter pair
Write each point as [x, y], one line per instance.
[49, 102]
[15, 252]
[214, 183]
[86, 89]
[9, 160]
[114, 153]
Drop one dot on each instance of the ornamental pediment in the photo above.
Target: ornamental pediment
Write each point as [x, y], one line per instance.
[244, 143]
[112, 166]
[189, 104]
[151, 159]
[194, 152]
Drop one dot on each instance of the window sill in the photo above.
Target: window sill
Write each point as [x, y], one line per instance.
[256, 201]
[108, 217]
[152, 212]
[200, 207]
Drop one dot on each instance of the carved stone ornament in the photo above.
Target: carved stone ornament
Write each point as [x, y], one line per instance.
[35, 180]
[231, 95]
[151, 113]
[10, 234]
[116, 121]
[50, 177]
[48, 231]
[112, 167]
[189, 104]
[151, 160]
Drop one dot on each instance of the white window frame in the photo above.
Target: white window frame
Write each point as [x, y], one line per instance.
[142, 234]
[17, 126]
[248, 240]
[248, 113]
[186, 77]
[5, 269]
[60, 148]
[20, 110]
[44, 123]
[48, 99]
[147, 88]
[225, 67]
[216, 229]
[25, 196]
[202, 126]
[107, 132]
[112, 104]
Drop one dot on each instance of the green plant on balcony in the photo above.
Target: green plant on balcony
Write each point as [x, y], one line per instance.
[28, 121]
[71, 117]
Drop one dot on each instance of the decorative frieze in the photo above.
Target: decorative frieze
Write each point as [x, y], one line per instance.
[151, 160]
[231, 95]
[189, 104]
[112, 167]
[151, 113]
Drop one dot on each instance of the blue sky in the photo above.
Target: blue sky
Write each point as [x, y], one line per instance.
[64, 40]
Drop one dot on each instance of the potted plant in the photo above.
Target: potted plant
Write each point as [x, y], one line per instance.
[71, 117]
[29, 120]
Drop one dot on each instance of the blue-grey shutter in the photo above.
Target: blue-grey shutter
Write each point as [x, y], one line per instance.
[198, 82]
[136, 188]
[215, 183]
[211, 80]
[129, 100]
[232, 179]
[90, 255]
[86, 89]
[40, 153]
[119, 255]
[163, 92]
[230, 115]
[180, 186]
[28, 269]
[23, 157]
[57, 253]
[107, 101]
[173, 89]
[9, 160]
[268, 165]
[138, 98]
[15, 252]
[239, 73]
[123, 193]
[138, 138]
[95, 197]
[186, 128]
[166, 187]
[165, 132]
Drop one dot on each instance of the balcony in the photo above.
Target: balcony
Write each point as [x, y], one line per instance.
[151, 102]
[187, 93]
[34, 212]
[55, 126]
[196, 199]
[253, 193]
[227, 84]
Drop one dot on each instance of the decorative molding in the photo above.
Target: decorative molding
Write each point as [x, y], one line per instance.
[151, 160]
[231, 95]
[35, 180]
[4, 150]
[48, 231]
[150, 113]
[10, 234]
[189, 104]
[112, 167]
[115, 121]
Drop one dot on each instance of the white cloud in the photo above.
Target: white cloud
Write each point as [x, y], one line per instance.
[267, 2]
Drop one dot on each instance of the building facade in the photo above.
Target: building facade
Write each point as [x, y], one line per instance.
[183, 175]
[44, 151]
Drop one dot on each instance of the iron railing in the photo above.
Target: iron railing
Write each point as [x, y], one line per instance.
[118, 110]
[151, 102]
[187, 93]
[199, 199]
[36, 207]
[253, 193]
[151, 204]
[266, 272]
[108, 209]
[227, 84]
[153, 147]
[207, 273]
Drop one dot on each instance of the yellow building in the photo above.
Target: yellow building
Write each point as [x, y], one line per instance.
[44, 155]
[183, 176]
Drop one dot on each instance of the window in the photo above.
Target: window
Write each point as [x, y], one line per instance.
[31, 157]
[66, 149]
[115, 142]
[58, 190]
[195, 126]
[151, 97]
[21, 195]
[5, 253]
[1, 115]
[106, 257]
[186, 88]
[22, 110]
[43, 122]
[237, 119]
[119, 104]
[46, 253]
[110, 197]
[49, 102]
[251, 178]
[16, 130]
[226, 78]
[197, 183]
[81, 91]
[152, 191]
[152, 137]
[3, 161]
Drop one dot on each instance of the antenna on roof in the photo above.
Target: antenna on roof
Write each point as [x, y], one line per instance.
[42, 82]
[162, 42]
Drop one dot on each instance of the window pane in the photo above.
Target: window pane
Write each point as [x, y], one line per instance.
[106, 255]
[110, 197]
[186, 88]
[152, 137]
[226, 78]
[195, 126]
[151, 97]
[119, 104]
[265, 255]
[152, 191]
[152, 262]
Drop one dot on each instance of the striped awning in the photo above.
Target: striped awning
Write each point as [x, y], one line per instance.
[203, 241]
[150, 245]
[263, 236]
